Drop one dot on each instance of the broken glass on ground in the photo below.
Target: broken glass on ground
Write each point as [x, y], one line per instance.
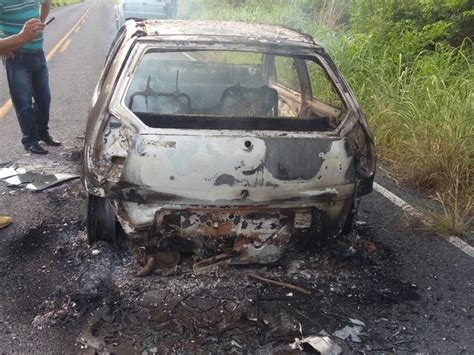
[350, 333]
[20, 179]
[9, 172]
[324, 345]
[43, 182]
[37, 181]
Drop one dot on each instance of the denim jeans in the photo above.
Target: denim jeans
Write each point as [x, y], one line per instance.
[28, 81]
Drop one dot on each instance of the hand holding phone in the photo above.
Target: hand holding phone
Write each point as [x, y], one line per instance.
[50, 20]
[31, 29]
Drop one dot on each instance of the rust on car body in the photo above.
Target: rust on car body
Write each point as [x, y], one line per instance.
[218, 145]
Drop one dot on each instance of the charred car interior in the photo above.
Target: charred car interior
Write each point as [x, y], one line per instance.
[241, 85]
[221, 133]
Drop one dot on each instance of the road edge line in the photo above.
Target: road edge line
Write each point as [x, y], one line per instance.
[461, 244]
[405, 206]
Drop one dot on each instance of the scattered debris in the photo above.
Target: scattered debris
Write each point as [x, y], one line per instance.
[213, 264]
[370, 247]
[189, 314]
[357, 322]
[281, 284]
[324, 345]
[295, 266]
[234, 343]
[88, 339]
[37, 181]
[166, 260]
[20, 179]
[350, 333]
[55, 311]
[9, 172]
[75, 155]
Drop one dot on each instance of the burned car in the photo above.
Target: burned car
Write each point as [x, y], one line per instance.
[223, 132]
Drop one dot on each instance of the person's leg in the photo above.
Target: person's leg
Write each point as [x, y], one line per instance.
[42, 94]
[5, 221]
[20, 82]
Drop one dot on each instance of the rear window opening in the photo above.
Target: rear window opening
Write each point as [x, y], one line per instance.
[233, 90]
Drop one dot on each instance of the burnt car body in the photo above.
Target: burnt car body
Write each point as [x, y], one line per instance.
[223, 131]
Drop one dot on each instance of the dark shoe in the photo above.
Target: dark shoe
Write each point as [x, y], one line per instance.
[51, 141]
[36, 149]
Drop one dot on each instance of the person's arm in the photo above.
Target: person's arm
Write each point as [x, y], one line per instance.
[44, 10]
[10, 43]
[28, 33]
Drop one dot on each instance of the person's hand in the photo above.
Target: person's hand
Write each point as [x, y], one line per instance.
[10, 55]
[31, 29]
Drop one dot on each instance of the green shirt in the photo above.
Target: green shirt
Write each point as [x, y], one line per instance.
[14, 14]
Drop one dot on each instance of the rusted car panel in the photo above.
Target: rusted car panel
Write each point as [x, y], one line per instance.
[214, 173]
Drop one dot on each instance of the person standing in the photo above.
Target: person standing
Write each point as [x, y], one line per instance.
[28, 33]
[27, 73]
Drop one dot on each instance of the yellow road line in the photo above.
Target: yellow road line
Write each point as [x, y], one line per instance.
[77, 28]
[65, 45]
[60, 43]
[5, 108]
[8, 104]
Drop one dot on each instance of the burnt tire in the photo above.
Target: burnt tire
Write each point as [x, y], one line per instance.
[349, 223]
[102, 223]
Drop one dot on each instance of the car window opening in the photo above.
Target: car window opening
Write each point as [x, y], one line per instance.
[233, 90]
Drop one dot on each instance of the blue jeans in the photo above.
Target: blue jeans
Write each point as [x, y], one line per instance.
[28, 81]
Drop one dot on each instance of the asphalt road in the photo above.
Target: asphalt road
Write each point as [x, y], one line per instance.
[74, 70]
[414, 291]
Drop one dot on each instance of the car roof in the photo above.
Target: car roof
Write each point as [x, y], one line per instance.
[239, 32]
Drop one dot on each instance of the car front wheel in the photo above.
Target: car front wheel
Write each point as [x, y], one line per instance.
[102, 223]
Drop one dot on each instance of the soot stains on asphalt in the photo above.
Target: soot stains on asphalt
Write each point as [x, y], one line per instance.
[57, 287]
[229, 310]
[30, 243]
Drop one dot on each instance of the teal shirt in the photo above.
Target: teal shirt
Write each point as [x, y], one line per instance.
[14, 14]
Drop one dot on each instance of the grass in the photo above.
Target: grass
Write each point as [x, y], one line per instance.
[421, 108]
[422, 115]
[59, 3]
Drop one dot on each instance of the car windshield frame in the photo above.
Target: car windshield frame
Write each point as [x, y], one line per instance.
[142, 48]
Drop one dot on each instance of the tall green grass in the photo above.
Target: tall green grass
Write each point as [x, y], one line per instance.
[422, 114]
[59, 3]
[420, 107]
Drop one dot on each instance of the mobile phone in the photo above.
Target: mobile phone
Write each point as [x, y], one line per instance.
[50, 20]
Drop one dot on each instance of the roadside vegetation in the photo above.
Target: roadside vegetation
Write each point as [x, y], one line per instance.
[410, 63]
[59, 3]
